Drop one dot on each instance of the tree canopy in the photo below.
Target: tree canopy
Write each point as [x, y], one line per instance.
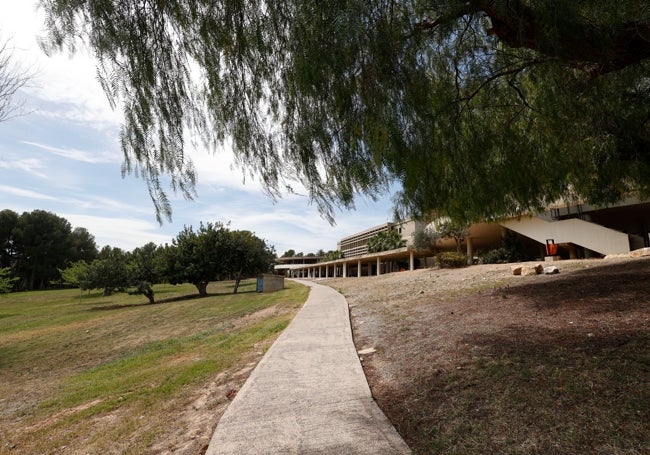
[197, 256]
[36, 245]
[385, 240]
[214, 252]
[478, 108]
[246, 255]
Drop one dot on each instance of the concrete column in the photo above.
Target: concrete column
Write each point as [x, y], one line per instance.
[327, 271]
[411, 261]
[378, 267]
[470, 251]
[359, 268]
[345, 270]
[573, 252]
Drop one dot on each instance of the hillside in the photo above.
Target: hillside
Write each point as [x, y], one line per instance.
[476, 360]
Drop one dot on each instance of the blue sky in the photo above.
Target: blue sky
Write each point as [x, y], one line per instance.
[63, 155]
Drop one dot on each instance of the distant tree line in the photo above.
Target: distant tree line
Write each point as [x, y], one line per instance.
[39, 250]
[35, 245]
[322, 256]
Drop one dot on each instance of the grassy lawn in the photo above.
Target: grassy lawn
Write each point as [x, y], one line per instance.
[93, 374]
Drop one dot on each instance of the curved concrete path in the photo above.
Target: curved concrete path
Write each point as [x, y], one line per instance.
[308, 394]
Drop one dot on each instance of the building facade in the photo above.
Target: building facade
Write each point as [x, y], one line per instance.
[576, 231]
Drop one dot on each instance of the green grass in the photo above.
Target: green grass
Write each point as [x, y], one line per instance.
[67, 360]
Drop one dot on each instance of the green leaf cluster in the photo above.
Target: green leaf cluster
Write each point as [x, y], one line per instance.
[214, 252]
[385, 240]
[331, 255]
[477, 109]
[451, 259]
[36, 245]
[7, 282]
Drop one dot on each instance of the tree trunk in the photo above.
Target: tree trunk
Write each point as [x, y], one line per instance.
[202, 286]
[237, 281]
[150, 295]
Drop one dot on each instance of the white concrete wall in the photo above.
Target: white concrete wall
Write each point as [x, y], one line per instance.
[588, 235]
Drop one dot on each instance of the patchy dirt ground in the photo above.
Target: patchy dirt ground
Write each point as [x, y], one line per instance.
[477, 360]
[190, 431]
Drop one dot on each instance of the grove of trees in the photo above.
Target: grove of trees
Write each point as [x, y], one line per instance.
[476, 108]
[35, 245]
[39, 250]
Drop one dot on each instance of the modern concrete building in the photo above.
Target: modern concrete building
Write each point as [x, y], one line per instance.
[357, 244]
[583, 230]
[574, 230]
[285, 265]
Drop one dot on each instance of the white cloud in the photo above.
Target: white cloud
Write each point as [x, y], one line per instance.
[125, 233]
[78, 155]
[62, 86]
[23, 193]
[92, 202]
[31, 166]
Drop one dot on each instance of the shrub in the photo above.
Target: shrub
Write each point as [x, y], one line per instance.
[451, 259]
[497, 256]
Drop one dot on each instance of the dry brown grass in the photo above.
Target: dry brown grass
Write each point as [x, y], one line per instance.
[476, 361]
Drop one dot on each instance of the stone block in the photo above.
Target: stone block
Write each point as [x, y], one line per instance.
[530, 270]
[642, 252]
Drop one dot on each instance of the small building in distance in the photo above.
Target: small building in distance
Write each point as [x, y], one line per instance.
[284, 265]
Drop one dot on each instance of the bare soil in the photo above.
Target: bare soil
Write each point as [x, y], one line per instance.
[476, 360]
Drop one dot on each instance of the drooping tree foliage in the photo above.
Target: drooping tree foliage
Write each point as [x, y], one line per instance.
[478, 108]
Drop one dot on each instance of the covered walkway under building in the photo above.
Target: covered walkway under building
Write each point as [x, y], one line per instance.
[370, 264]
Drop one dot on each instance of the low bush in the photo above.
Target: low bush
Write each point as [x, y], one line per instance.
[449, 259]
[498, 256]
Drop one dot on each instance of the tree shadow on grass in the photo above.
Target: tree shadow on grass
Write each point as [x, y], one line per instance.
[179, 298]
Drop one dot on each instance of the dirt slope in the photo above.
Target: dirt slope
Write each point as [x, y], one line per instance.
[477, 360]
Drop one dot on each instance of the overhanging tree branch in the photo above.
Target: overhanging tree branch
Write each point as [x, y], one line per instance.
[12, 79]
[594, 48]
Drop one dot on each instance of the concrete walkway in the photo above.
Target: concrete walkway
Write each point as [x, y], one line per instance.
[308, 394]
